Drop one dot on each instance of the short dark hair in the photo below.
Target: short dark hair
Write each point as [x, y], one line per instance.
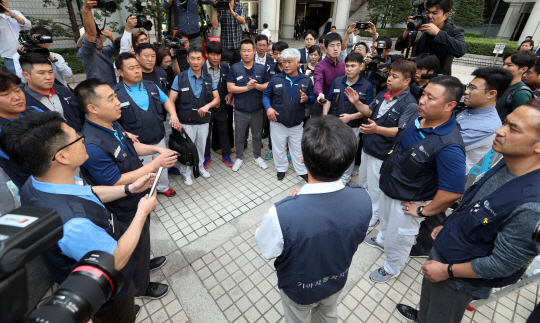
[329, 147]
[365, 45]
[265, 25]
[333, 27]
[322, 38]
[247, 41]
[85, 93]
[315, 48]
[406, 67]
[27, 61]
[261, 37]
[496, 78]
[214, 47]
[226, 56]
[452, 85]
[139, 48]
[529, 41]
[181, 34]
[521, 58]
[40, 30]
[427, 61]
[119, 61]
[279, 46]
[195, 49]
[310, 32]
[528, 37]
[354, 57]
[31, 141]
[385, 39]
[444, 5]
[332, 37]
[7, 78]
[537, 66]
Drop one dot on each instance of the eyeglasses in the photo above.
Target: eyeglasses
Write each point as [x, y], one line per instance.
[469, 87]
[262, 45]
[81, 137]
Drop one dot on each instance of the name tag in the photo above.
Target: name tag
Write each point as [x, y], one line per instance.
[336, 90]
[124, 104]
[240, 77]
[153, 93]
[207, 83]
[272, 72]
[279, 85]
[117, 151]
[185, 89]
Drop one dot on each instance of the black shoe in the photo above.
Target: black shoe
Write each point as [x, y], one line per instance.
[280, 175]
[409, 313]
[245, 145]
[155, 291]
[304, 177]
[264, 135]
[417, 254]
[157, 262]
[137, 310]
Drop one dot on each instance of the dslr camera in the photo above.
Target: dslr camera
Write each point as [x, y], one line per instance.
[31, 43]
[418, 20]
[25, 233]
[108, 5]
[222, 5]
[142, 21]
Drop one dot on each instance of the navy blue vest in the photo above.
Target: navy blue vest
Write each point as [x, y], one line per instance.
[72, 114]
[17, 175]
[407, 175]
[339, 106]
[222, 87]
[125, 207]
[186, 100]
[162, 78]
[148, 125]
[251, 100]
[69, 207]
[291, 111]
[470, 231]
[377, 145]
[321, 233]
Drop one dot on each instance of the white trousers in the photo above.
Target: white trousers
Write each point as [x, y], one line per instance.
[198, 134]
[323, 311]
[282, 135]
[397, 233]
[163, 184]
[346, 177]
[369, 176]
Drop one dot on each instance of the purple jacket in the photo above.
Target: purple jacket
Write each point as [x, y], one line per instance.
[325, 73]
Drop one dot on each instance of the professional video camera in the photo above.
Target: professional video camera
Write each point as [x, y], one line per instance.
[418, 20]
[30, 43]
[142, 21]
[173, 42]
[24, 234]
[109, 5]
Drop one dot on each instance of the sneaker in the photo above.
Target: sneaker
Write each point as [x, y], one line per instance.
[417, 254]
[259, 161]
[380, 276]
[188, 181]
[204, 173]
[280, 175]
[207, 161]
[169, 193]
[137, 310]
[157, 262]
[372, 242]
[174, 171]
[237, 164]
[227, 160]
[155, 291]
[408, 313]
[288, 156]
[305, 177]
[268, 155]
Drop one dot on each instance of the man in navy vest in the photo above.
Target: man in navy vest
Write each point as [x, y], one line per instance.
[303, 232]
[423, 174]
[247, 82]
[41, 91]
[195, 92]
[341, 106]
[285, 102]
[143, 104]
[486, 242]
[113, 159]
[51, 151]
[261, 57]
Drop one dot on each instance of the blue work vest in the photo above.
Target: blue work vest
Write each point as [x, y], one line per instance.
[186, 100]
[470, 231]
[407, 175]
[339, 106]
[148, 125]
[377, 145]
[291, 111]
[69, 207]
[321, 233]
[124, 208]
[251, 100]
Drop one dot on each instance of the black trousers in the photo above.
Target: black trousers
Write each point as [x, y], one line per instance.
[141, 276]
[123, 312]
[424, 242]
[218, 121]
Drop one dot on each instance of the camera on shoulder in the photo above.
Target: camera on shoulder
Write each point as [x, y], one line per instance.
[31, 43]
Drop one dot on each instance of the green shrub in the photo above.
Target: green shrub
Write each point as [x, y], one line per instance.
[473, 35]
[485, 46]
[390, 32]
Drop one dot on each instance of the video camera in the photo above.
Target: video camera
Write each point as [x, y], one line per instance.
[25, 233]
[142, 21]
[31, 43]
[173, 42]
[109, 5]
[418, 20]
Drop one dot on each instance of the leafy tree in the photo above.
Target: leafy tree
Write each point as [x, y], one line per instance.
[389, 11]
[468, 13]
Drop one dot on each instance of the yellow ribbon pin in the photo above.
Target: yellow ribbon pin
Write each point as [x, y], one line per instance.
[485, 221]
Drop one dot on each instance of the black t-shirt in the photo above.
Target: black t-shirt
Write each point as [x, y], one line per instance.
[152, 76]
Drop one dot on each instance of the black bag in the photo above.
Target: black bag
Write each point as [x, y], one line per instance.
[186, 149]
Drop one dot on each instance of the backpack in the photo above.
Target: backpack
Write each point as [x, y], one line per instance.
[508, 101]
[186, 149]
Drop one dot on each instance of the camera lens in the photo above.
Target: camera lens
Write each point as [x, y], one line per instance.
[415, 23]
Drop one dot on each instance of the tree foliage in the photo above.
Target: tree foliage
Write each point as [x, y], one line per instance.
[468, 13]
[389, 11]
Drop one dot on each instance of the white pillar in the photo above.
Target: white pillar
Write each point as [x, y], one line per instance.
[510, 21]
[341, 15]
[289, 18]
[269, 14]
[532, 28]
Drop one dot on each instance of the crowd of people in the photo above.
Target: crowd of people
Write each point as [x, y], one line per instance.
[409, 129]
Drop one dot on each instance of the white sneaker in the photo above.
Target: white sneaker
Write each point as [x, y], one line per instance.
[188, 181]
[204, 173]
[259, 161]
[237, 164]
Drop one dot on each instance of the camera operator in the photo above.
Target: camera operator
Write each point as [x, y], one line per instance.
[187, 13]
[59, 65]
[383, 46]
[425, 64]
[486, 242]
[51, 151]
[439, 36]
[95, 58]
[11, 22]
[179, 52]
[126, 43]
[231, 21]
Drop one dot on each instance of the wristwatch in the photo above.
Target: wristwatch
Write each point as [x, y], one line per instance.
[419, 211]
[126, 189]
[450, 272]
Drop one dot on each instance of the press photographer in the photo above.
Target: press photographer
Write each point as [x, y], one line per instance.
[188, 17]
[178, 45]
[11, 23]
[375, 74]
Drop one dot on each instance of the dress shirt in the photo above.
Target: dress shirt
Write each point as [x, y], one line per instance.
[260, 60]
[477, 124]
[51, 101]
[325, 73]
[9, 33]
[214, 71]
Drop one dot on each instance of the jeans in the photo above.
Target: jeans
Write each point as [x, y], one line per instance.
[9, 64]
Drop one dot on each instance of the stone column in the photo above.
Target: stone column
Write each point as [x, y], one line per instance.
[269, 14]
[532, 28]
[510, 20]
[341, 15]
[289, 18]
